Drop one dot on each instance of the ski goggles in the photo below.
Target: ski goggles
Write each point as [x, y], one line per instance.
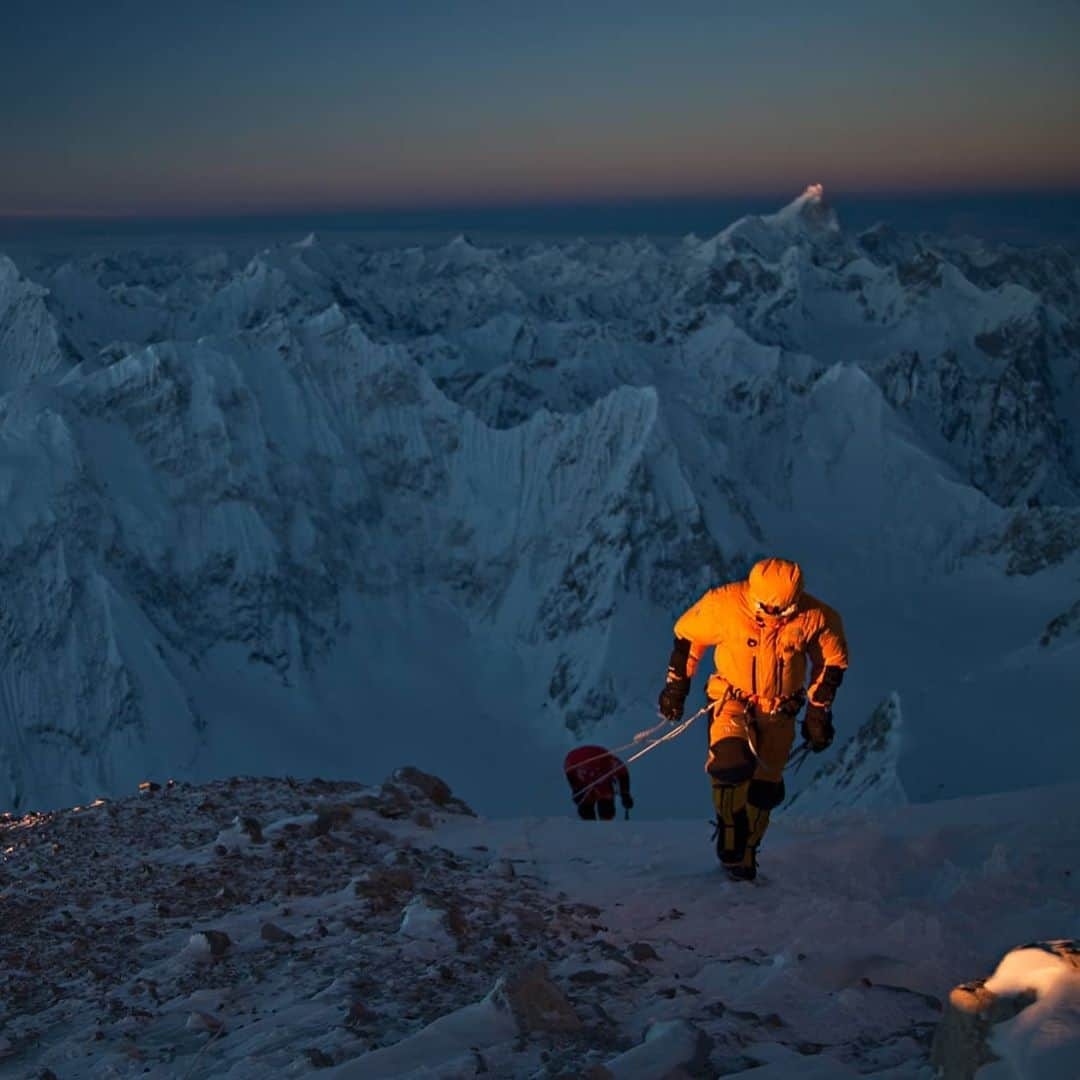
[776, 612]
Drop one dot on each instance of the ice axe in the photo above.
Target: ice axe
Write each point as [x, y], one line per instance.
[798, 757]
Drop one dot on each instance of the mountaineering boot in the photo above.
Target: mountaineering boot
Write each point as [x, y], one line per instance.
[732, 823]
[757, 822]
[762, 797]
[745, 870]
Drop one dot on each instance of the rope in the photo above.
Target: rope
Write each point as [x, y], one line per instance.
[626, 746]
[673, 733]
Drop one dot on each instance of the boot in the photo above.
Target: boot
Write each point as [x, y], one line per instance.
[763, 797]
[745, 829]
[745, 870]
[732, 822]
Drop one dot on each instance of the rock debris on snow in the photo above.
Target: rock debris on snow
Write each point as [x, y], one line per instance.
[133, 946]
[536, 1002]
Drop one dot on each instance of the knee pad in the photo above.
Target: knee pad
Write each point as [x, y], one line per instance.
[766, 794]
[605, 809]
[731, 761]
[587, 810]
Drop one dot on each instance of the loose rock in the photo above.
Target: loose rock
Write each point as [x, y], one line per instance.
[536, 1002]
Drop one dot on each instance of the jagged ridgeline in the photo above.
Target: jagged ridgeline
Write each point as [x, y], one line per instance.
[326, 508]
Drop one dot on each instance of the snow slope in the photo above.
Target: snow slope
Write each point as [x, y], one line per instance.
[249, 928]
[319, 505]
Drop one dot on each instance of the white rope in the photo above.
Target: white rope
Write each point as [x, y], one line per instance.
[641, 735]
[620, 749]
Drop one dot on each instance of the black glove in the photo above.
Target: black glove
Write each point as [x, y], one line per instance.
[792, 704]
[673, 699]
[627, 800]
[817, 727]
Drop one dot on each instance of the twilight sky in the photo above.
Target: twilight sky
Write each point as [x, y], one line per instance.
[156, 108]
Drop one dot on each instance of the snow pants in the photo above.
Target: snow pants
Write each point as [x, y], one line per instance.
[591, 809]
[747, 755]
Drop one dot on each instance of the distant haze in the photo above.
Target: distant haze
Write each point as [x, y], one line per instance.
[133, 110]
[1019, 218]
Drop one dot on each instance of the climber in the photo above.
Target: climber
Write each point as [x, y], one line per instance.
[592, 773]
[764, 630]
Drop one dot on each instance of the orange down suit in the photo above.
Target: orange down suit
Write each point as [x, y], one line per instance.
[764, 632]
[761, 661]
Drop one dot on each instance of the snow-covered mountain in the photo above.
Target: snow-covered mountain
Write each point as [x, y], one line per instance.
[864, 773]
[320, 509]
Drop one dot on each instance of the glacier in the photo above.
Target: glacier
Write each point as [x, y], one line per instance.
[319, 508]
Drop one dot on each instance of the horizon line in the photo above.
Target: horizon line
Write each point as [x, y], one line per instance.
[554, 204]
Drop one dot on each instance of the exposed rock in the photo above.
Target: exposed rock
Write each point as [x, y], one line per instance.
[389, 801]
[588, 976]
[642, 950]
[216, 942]
[536, 1002]
[330, 818]
[252, 827]
[1038, 537]
[358, 1014]
[384, 886]
[962, 1042]
[1068, 622]
[438, 791]
[198, 1020]
[411, 793]
[273, 933]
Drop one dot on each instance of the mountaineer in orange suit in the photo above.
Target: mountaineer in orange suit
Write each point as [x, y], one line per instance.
[592, 773]
[764, 631]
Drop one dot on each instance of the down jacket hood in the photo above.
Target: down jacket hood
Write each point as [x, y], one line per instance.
[775, 582]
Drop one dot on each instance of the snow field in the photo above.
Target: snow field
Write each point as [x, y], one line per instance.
[379, 929]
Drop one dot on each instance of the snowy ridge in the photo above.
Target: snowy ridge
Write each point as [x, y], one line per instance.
[863, 774]
[809, 218]
[286, 497]
[30, 345]
[255, 927]
[215, 537]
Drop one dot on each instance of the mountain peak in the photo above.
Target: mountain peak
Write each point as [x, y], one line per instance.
[807, 219]
[810, 209]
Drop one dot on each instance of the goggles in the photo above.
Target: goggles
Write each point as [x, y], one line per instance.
[775, 612]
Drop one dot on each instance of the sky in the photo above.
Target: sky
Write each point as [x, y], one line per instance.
[127, 109]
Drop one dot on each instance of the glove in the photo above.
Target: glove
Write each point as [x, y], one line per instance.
[817, 727]
[627, 801]
[792, 704]
[673, 699]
